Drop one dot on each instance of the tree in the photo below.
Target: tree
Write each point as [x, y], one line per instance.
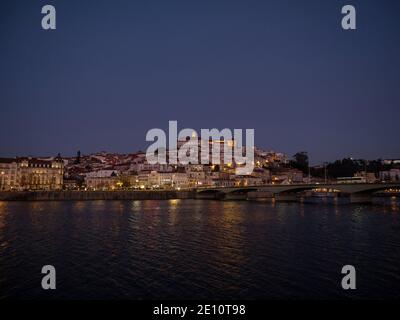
[300, 161]
[344, 168]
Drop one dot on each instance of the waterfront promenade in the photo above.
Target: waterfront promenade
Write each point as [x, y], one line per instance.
[96, 195]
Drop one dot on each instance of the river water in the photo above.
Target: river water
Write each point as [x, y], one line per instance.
[187, 249]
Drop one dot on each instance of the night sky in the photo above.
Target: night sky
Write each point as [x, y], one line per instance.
[115, 69]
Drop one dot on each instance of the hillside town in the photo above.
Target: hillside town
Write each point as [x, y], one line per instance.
[111, 171]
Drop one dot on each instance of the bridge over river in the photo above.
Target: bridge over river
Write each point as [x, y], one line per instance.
[357, 192]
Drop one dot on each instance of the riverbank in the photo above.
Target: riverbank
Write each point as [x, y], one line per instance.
[187, 194]
[95, 195]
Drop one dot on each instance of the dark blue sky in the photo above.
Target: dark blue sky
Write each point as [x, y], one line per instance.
[115, 69]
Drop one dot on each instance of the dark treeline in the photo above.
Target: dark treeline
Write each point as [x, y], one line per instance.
[346, 167]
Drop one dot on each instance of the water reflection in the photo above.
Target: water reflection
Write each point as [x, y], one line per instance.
[197, 249]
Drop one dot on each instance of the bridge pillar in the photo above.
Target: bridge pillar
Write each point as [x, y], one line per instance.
[286, 197]
[360, 198]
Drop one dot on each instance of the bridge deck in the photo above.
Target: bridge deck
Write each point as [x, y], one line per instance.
[293, 188]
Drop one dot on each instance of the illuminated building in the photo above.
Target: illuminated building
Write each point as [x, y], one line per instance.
[31, 174]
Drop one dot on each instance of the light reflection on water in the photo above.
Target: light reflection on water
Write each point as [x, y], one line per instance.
[198, 249]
